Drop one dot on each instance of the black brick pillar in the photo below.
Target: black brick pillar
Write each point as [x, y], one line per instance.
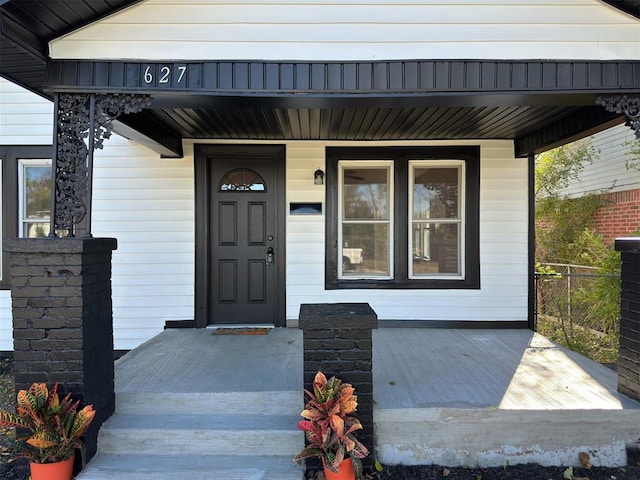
[337, 341]
[63, 321]
[629, 362]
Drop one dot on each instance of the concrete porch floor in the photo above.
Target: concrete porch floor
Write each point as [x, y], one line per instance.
[446, 396]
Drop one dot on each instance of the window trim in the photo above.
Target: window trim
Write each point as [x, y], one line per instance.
[401, 156]
[10, 154]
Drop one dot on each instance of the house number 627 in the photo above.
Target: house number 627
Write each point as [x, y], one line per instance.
[164, 74]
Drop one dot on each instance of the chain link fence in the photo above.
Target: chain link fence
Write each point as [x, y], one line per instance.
[580, 308]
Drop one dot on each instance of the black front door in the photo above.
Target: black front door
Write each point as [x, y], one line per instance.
[245, 236]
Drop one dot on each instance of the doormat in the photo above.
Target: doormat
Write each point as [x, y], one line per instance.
[241, 331]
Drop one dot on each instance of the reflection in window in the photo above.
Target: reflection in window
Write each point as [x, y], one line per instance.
[436, 218]
[242, 180]
[365, 220]
[34, 197]
[1, 219]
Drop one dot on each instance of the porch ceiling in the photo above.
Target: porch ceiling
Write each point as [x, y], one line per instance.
[361, 123]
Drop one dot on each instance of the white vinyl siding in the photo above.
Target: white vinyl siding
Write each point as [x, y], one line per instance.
[306, 30]
[25, 118]
[147, 203]
[610, 171]
[6, 322]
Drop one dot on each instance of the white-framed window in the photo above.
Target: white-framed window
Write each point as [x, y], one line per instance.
[436, 219]
[365, 227]
[34, 197]
[1, 220]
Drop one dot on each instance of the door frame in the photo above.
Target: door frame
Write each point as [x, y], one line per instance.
[204, 156]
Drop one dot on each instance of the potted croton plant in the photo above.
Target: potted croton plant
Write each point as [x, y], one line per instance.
[48, 430]
[330, 428]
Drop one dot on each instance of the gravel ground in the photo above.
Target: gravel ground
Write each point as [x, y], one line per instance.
[18, 470]
[513, 472]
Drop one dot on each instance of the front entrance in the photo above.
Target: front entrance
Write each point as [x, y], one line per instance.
[240, 235]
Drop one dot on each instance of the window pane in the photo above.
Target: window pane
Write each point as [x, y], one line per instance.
[35, 229]
[436, 248]
[365, 249]
[242, 180]
[37, 183]
[435, 193]
[365, 193]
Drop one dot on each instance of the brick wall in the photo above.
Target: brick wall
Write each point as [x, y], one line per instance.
[629, 362]
[62, 319]
[337, 341]
[620, 217]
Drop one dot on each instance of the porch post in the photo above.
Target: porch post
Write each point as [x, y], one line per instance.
[62, 319]
[629, 362]
[82, 122]
[337, 340]
[61, 287]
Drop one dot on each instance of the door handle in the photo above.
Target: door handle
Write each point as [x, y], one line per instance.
[270, 256]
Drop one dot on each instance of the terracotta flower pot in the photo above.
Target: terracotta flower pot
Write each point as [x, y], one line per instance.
[52, 471]
[345, 471]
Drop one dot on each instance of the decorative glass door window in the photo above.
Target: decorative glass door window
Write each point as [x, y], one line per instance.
[436, 220]
[366, 219]
[242, 180]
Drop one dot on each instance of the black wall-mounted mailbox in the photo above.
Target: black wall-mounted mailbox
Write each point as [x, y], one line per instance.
[305, 208]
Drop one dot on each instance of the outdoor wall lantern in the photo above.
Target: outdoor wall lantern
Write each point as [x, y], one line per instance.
[318, 177]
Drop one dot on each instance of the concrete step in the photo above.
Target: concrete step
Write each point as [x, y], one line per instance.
[238, 434]
[182, 467]
[206, 403]
[221, 436]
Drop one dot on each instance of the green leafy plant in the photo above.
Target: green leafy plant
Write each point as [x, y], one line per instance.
[633, 154]
[48, 429]
[329, 425]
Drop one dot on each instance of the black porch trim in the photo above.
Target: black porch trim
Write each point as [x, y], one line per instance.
[150, 133]
[539, 104]
[579, 124]
[531, 242]
[572, 78]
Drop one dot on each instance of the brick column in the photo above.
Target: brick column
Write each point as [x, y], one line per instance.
[63, 321]
[629, 362]
[337, 341]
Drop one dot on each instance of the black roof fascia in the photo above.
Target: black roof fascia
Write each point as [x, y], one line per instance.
[533, 79]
